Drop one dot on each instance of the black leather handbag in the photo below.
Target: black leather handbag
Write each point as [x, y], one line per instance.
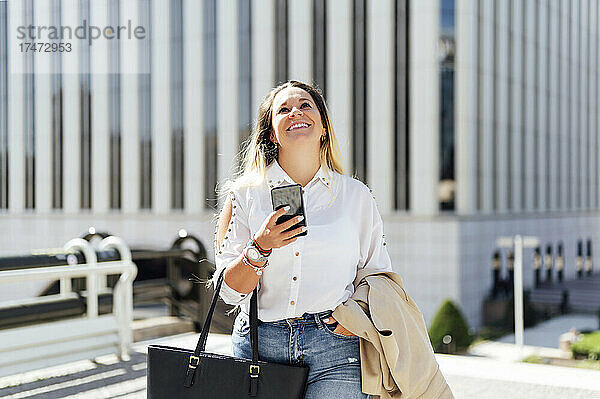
[183, 373]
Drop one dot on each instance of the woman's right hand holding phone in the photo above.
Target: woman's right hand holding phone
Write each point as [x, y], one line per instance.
[272, 235]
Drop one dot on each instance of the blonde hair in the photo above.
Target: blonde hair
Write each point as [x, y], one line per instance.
[260, 151]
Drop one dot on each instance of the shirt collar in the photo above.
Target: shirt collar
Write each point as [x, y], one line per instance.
[276, 176]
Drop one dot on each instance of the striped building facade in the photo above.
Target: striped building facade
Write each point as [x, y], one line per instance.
[468, 119]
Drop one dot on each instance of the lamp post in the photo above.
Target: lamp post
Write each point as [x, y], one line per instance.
[548, 263]
[588, 258]
[579, 259]
[560, 260]
[496, 274]
[537, 263]
[517, 243]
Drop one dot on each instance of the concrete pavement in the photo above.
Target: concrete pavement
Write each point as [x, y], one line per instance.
[470, 377]
[546, 333]
[541, 340]
[477, 377]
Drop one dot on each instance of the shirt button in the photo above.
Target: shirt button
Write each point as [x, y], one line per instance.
[302, 191]
[297, 253]
[292, 303]
[295, 278]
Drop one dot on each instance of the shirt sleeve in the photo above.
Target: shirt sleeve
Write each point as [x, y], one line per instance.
[236, 237]
[374, 255]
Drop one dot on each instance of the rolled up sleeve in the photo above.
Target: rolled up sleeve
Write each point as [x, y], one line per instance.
[236, 237]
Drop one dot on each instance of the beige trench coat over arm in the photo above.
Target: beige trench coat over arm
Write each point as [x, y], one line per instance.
[397, 360]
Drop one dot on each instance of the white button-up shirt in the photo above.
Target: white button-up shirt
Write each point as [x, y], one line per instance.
[315, 273]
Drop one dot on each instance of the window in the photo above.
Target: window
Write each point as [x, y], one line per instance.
[3, 107]
[589, 184]
[246, 113]
[446, 173]
[549, 92]
[29, 118]
[86, 117]
[569, 116]
[146, 112]
[210, 103]
[509, 114]
[115, 111]
[57, 122]
[536, 108]
[596, 166]
[177, 158]
[359, 91]
[562, 118]
[281, 38]
[320, 45]
[524, 82]
[401, 137]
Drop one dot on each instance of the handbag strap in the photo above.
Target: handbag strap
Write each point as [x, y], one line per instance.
[254, 325]
[254, 367]
[194, 360]
[201, 344]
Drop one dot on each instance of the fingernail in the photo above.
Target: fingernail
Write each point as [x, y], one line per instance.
[304, 228]
[326, 320]
[300, 218]
[286, 208]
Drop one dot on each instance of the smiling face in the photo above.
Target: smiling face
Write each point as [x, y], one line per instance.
[296, 120]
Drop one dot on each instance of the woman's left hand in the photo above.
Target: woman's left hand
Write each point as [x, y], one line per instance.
[339, 329]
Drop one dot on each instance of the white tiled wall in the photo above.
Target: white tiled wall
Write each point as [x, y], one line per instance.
[450, 257]
[438, 257]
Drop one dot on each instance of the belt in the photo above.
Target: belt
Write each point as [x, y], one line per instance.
[309, 316]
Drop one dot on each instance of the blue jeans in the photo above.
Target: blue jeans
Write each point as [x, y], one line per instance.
[333, 359]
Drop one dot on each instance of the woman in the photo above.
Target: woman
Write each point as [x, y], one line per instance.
[301, 279]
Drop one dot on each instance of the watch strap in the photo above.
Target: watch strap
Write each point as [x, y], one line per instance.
[262, 257]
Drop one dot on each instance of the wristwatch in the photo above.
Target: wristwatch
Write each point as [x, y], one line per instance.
[253, 253]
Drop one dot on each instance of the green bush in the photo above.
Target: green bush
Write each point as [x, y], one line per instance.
[588, 346]
[449, 320]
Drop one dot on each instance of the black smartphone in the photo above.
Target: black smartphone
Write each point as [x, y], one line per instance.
[289, 195]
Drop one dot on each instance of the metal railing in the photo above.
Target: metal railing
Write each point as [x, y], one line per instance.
[169, 277]
[55, 342]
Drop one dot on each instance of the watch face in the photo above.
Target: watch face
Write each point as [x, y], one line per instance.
[252, 254]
